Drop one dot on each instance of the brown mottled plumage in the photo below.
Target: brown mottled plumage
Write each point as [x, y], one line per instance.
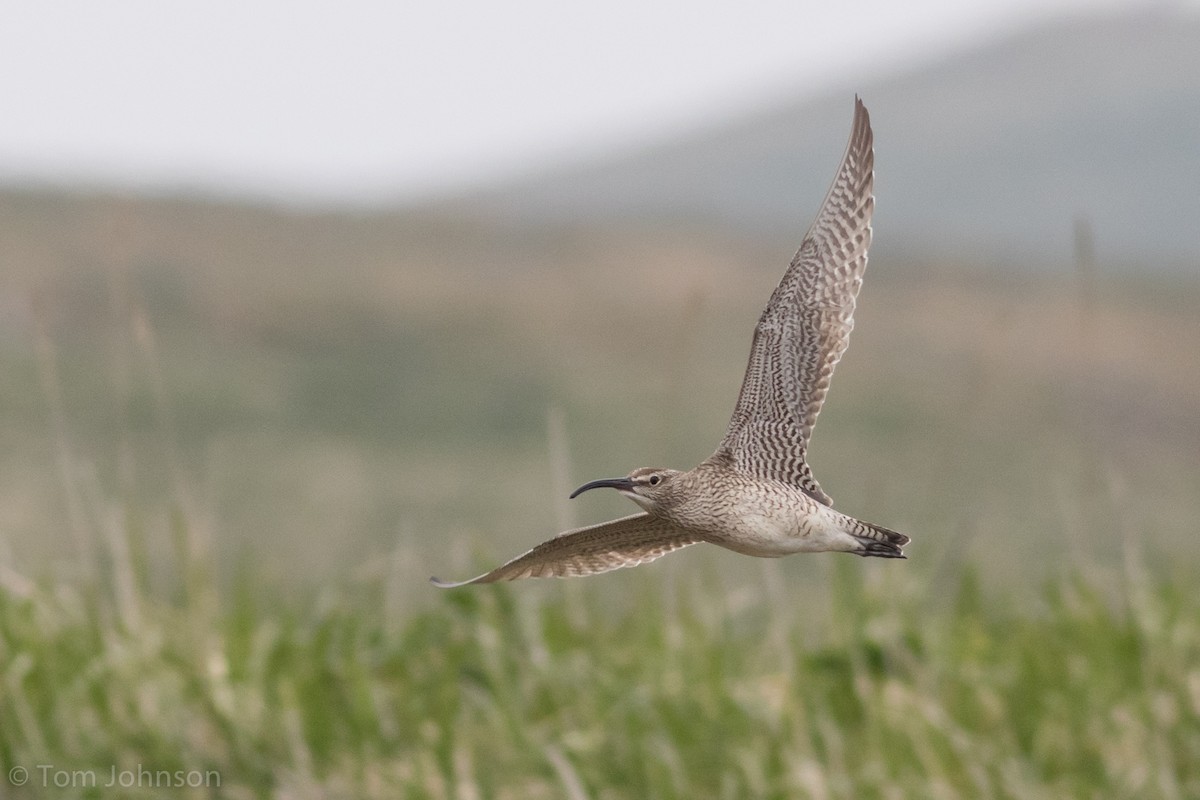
[756, 494]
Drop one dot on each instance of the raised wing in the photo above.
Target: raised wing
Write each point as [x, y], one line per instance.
[624, 542]
[805, 328]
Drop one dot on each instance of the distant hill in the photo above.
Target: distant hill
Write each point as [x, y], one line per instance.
[997, 151]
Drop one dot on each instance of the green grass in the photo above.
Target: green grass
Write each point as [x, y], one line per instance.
[885, 687]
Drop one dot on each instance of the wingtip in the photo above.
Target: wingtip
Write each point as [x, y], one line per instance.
[862, 117]
[487, 577]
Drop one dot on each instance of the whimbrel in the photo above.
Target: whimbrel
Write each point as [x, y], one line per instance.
[756, 494]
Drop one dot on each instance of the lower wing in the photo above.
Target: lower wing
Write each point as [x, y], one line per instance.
[624, 542]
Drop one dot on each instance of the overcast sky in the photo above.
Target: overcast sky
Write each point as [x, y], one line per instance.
[332, 100]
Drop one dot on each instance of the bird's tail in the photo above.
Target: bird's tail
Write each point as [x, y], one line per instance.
[878, 541]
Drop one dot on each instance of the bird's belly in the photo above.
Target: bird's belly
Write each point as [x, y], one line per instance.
[772, 535]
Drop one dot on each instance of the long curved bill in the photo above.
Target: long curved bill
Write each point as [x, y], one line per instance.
[604, 483]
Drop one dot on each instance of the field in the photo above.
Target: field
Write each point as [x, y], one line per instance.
[238, 441]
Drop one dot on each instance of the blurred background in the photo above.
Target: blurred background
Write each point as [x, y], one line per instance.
[367, 283]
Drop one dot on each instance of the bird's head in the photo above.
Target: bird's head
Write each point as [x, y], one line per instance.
[649, 487]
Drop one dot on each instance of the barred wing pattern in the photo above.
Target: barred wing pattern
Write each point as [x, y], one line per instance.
[624, 542]
[805, 328]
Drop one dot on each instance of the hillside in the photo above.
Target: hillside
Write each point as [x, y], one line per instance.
[996, 150]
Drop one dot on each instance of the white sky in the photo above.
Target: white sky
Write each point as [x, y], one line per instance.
[354, 99]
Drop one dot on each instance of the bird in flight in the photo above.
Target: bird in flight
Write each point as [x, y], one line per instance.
[756, 494]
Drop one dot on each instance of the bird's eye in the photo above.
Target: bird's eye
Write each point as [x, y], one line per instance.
[654, 480]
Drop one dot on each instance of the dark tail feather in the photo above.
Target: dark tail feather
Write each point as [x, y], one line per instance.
[880, 542]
